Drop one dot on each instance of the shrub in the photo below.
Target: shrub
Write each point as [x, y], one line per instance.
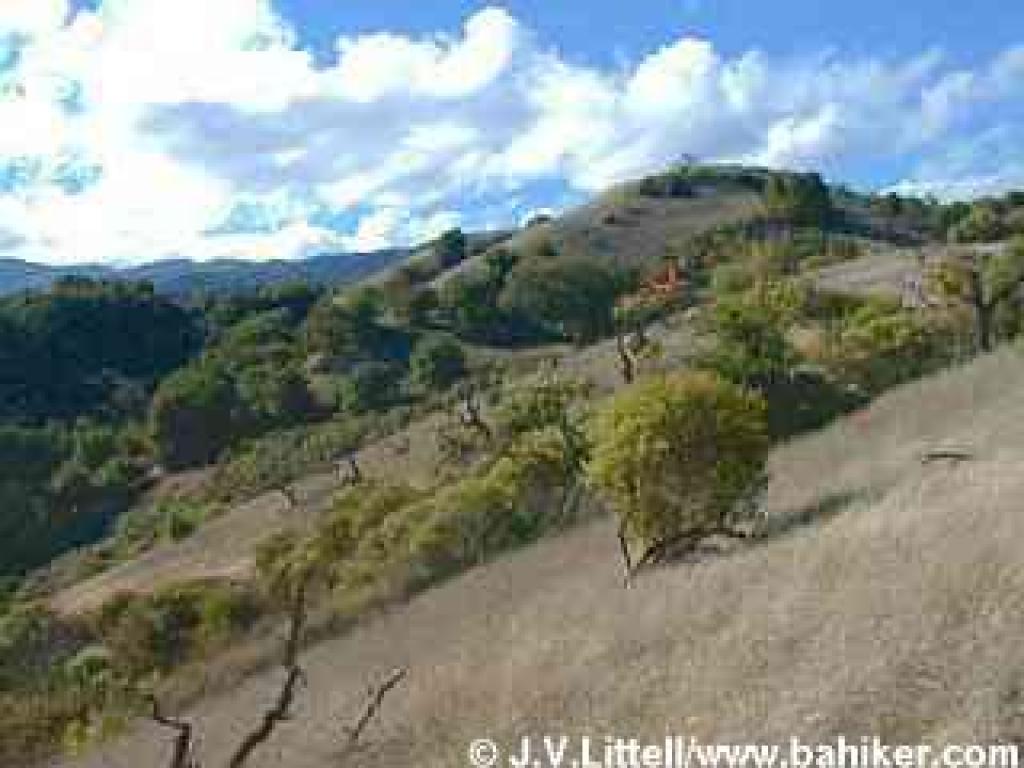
[449, 249]
[350, 540]
[274, 460]
[469, 300]
[545, 402]
[153, 634]
[166, 520]
[731, 278]
[437, 363]
[801, 199]
[679, 456]
[505, 505]
[274, 395]
[33, 724]
[536, 402]
[881, 345]
[751, 347]
[387, 539]
[194, 416]
[574, 298]
[370, 387]
[982, 225]
[33, 642]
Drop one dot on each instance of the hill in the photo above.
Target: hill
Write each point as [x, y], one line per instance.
[455, 393]
[884, 598]
[181, 277]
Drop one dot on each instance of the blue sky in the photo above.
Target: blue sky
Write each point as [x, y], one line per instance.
[600, 31]
[136, 130]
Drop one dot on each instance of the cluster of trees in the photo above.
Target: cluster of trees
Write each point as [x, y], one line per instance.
[680, 457]
[985, 221]
[802, 200]
[88, 348]
[77, 366]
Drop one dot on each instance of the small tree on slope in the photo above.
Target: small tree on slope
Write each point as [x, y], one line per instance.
[680, 458]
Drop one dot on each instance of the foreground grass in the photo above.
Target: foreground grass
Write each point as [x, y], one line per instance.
[885, 598]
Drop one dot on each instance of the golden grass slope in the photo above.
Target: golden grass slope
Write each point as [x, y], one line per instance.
[887, 598]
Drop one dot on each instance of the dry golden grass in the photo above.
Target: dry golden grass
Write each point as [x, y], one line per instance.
[886, 598]
[223, 547]
[883, 269]
[629, 228]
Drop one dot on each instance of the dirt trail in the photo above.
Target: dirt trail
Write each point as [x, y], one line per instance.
[224, 547]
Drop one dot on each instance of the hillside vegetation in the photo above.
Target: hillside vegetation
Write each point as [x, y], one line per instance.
[884, 598]
[191, 471]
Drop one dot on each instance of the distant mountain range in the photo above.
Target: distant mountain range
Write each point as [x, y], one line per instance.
[180, 277]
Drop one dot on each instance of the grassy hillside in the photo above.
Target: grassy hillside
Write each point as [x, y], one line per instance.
[463, 397]
[883, 598]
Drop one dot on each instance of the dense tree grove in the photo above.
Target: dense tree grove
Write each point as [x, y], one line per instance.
[72, 350]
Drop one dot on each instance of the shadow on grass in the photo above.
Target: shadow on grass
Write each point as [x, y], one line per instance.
[819, 511]
[778, 526]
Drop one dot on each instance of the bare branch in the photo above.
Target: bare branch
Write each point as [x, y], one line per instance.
[684, 542]
[184, 746]
[279, 713]
[376, 698]
[471, 416]
[296, 624]
[626, 363]
[954, 455]
[291, 498]
[627, 562]
[349, 471]
[281, 710]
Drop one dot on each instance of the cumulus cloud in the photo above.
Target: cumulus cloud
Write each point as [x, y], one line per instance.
[147, 129]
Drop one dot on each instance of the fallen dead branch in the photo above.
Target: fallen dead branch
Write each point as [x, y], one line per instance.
[184, 744]
[373, 705]
[280, 712]
[953, 455]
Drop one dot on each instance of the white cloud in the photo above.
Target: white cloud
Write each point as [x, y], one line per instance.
[32, 17]
[378, 66]
[189, 110]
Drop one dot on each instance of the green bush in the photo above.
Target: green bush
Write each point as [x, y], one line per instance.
[153, 634]
[194, 416]
[506, 505]
[278, 458]
[33, 724]
[801, 199]
[573, 298]
[449, 249]
[437, 362]
[370, 387]
[167, 520]
[389, 539]
[469, 301]
[679, 456]
[982, 225]
[881, 345]
[731, 278]
[751, 346]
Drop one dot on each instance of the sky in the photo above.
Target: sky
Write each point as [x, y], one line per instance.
[138, 130]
